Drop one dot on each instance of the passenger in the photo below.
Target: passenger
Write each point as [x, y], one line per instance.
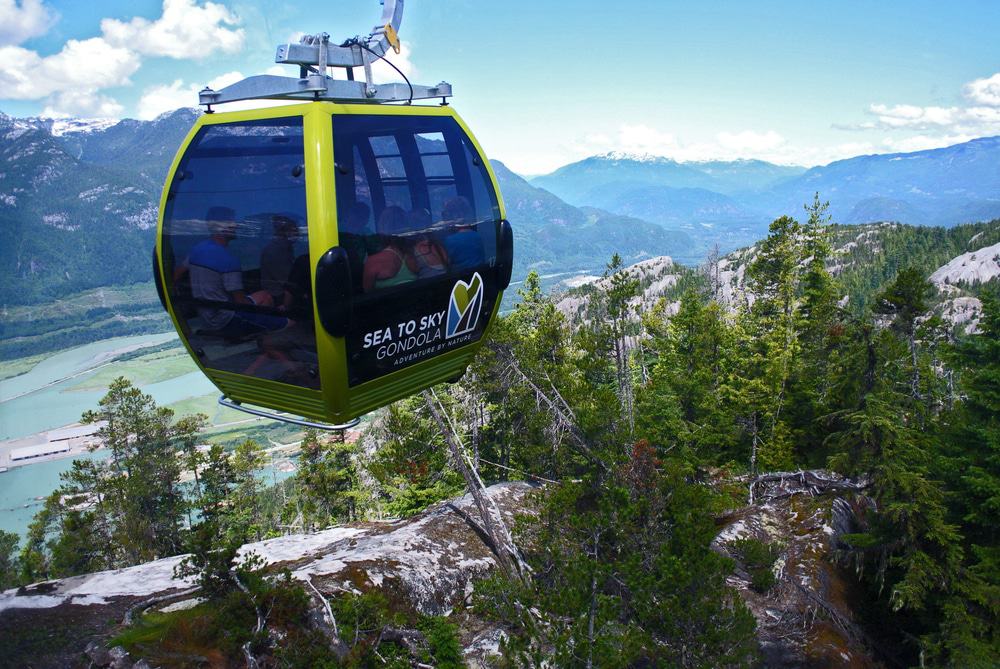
[277, 256]
[464, 247]
[429, 256]
[216, 276]
[288, 355]
[356, 240]
[393, 265]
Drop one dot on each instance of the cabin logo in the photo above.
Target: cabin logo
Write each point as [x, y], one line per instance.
[464, 306]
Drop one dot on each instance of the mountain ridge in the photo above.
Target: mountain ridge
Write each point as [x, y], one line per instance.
[944, 186]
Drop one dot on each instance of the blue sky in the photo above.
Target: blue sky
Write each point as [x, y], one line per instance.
[546, 83]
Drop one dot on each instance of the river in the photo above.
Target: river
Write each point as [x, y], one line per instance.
[41, 400]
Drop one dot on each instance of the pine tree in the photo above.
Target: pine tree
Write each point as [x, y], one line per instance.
[905, 300]
[327, 485]
[621, 288]
[121, 511]
[9, 567]
[138, 492]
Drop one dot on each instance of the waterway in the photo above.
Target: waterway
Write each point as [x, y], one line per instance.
[23, 490]
[41, 399]
[44, 398]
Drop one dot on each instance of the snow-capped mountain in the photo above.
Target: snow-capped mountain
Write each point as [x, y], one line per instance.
[733, 201]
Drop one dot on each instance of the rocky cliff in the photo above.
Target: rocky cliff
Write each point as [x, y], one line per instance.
[429, 564]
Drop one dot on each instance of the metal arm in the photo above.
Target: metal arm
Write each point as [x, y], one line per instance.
[314, 54]
[285, 418]
[308, 51]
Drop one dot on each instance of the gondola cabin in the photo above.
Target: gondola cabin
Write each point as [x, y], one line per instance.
[326, 259]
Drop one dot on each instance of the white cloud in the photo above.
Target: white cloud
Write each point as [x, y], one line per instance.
[939, 126]
[984, 91]
[185, 30]
[166, 97]
[750, 142]
[20, 21]
[84, 65]
[641, 138]
[922, 142]
[82, 104]
[156, 100]
[975, 121]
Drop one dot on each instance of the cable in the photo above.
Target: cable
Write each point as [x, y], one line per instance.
[358, 42]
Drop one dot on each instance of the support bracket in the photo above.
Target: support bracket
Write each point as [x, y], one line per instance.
[286, 418]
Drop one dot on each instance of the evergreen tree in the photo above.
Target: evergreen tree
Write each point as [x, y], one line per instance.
[9, 567]
[680, 404]
[137, 491]
[904, 301]
[770, 344]
[327, 485]
[610, 558]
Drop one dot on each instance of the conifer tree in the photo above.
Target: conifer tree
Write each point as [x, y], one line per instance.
[137, 487]
[621, 288]
[9, 567]
[327, 485]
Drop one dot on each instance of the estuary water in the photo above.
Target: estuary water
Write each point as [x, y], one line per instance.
[43, 399]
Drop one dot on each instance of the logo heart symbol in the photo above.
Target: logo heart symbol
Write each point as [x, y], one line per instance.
[464, 307]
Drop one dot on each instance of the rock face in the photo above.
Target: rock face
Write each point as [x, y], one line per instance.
[806, 618]
[655, 276]
[427, 563]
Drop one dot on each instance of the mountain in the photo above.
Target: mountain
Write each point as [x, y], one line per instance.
[78, 208]
[704, 199]
[731, 203]
[552, 236]
[585, 181]
[956, 184]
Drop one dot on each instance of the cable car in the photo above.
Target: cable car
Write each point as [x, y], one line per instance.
[323, 259]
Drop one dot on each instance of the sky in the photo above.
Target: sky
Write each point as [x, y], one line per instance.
[543, 83]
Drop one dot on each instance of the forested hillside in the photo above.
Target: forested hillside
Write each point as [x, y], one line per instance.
[649, 427]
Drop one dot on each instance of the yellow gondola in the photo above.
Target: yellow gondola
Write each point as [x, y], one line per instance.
[327, 258]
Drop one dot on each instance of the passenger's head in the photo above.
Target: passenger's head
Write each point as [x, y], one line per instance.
[419, 219]
[221, 222]
[285, 227]
[392, 222]
[357, 217]
[457, 210]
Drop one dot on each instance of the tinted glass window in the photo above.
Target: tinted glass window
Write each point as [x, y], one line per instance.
[414, 201]
[236, 251]
[418, 218]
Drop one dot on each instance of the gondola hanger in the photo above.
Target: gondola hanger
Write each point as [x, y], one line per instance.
[314, 54]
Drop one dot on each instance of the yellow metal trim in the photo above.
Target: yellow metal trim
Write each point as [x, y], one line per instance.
[321, 207]
[390, 34]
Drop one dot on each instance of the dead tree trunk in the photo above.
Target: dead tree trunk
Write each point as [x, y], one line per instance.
[493, 523]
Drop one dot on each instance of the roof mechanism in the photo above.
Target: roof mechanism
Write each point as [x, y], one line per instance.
[314, 54]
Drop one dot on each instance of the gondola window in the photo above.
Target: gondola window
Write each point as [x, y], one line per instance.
[417, 215]
[236, 251]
